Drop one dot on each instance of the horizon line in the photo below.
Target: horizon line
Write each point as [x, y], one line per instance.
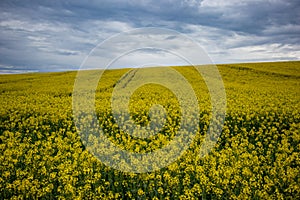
[28, 71]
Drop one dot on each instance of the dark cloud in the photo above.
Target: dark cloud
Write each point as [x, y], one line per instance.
[38, 34]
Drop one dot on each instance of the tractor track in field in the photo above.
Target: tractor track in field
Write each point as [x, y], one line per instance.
[127, 78]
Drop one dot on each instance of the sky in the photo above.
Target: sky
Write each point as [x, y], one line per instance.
[39, 36]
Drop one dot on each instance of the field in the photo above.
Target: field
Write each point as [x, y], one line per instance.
[256, 157]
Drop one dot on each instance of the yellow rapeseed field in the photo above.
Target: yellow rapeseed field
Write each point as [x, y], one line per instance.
[256, 157]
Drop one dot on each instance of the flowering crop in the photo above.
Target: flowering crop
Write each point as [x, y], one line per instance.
[256, 157]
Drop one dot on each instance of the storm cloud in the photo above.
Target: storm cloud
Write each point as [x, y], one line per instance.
[58, 35]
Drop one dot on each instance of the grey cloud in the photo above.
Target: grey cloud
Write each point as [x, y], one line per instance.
[62, 33]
